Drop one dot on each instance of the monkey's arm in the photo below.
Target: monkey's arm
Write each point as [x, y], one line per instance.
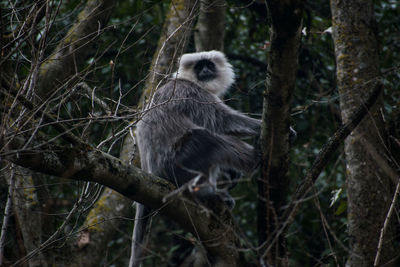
[235, 123]
[207, 110]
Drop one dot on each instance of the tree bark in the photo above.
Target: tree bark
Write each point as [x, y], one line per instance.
[286, 21]
[210, 28]
[100, 224]
[368, 188]
[176, 32]
[71, 53]
[27, 210]
[66, 60]
[99, 228]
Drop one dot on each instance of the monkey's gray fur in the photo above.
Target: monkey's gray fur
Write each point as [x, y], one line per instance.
[188, 132]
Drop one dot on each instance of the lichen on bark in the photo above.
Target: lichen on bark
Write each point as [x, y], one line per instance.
[368, 188]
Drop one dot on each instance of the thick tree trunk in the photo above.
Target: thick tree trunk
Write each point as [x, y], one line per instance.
[27, 210]
[98, 229]
[210, 28]
[368, 188]
[66, 60]
[286, 18]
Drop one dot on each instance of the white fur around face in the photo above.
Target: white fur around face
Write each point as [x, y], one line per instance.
[225, 75]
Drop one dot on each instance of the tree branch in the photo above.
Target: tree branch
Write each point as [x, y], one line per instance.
[248, 59]
[71, 52]
[48, 118]
[330, 147]
[87, 164]
[322, 160]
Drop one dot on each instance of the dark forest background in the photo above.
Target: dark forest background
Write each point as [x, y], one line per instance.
[101, 96]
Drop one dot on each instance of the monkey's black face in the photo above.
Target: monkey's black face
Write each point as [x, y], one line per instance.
[205, 70]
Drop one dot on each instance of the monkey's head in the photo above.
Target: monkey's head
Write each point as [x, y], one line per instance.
[210, 70]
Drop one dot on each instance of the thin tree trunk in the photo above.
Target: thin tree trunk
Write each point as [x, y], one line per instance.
[368, 188]
[286, 19]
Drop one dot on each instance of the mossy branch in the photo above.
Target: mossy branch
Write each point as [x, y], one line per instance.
[87, 164]
[70, 54]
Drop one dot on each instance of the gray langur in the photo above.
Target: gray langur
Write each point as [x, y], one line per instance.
[189, 134]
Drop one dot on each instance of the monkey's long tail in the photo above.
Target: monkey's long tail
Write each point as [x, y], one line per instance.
[141, 219]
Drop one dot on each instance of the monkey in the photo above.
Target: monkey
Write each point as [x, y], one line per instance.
[191, 117]
[190, 135]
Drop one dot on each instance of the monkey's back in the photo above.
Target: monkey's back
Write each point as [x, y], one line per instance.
[177, 107]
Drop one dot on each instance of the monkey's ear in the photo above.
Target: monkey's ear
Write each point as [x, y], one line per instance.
[187, 65]
[187, 61]
[220, 61]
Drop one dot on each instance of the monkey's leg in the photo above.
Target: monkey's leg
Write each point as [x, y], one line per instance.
[206, 153]
[201, 151]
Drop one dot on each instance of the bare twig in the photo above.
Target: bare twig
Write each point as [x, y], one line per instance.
[320, 162]
[388, 170]
[48, 118]
[328, 150]
[54, 237]
[386, 224]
